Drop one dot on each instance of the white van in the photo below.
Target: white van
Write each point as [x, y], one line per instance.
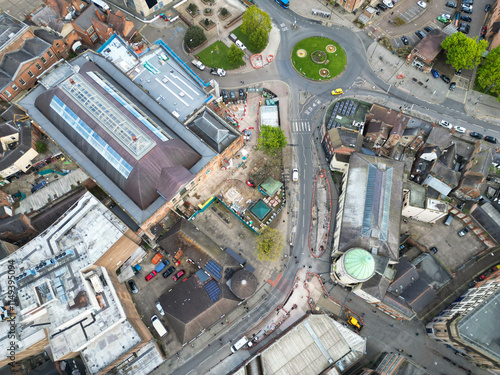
[388, 3]
[295, 175]
[158, 326]
[240, 344]
[101, 5]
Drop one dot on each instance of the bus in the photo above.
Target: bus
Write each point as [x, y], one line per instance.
[284, 3]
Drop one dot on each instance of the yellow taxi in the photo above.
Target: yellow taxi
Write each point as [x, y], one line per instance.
[337, 92]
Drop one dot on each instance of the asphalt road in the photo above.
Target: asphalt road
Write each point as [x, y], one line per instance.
[309, 159]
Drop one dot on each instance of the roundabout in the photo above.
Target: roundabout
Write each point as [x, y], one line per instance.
[318, 58]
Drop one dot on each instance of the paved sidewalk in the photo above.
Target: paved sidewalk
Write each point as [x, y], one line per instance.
[484, 107]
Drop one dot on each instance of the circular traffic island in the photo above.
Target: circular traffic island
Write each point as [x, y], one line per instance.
[318, 58]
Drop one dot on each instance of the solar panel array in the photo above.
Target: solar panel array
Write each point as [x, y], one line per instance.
[342, 108]
[214, 269]
[213, 290]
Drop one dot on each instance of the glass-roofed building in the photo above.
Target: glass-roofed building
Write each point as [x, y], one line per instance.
[138, 151]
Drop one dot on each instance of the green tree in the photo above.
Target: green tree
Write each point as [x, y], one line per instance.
[192, 8]
[223, 12]
[207, 22]
[254, 19]
[463, 52]
[269, 244]
[488, 74]
[41, 147]
[271, 140]
[194, 37]
[258, 40]
[234, 55]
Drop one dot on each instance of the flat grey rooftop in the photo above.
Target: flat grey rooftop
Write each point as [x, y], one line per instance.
[478, 327]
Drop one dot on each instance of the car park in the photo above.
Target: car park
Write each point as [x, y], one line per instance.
[422, 4]
[434, 250]
[451, 4]
[179, 274]
[452, 88]
[487, 7]
[445, 78]
[404, 39]
[476, 135]
[428, 29]
[420, 34]
[133, 287]
[465, 18]
[382, 7]
[463, 232]
[445, 124]
[435, 73]
[168, 272]
[337, 92]
[151, 275]
[159, 308]
[459, 129]
[490, 139]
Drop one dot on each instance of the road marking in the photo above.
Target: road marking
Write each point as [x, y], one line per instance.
[301, 126]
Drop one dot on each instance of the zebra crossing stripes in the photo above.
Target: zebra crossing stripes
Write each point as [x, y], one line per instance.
[299, 126]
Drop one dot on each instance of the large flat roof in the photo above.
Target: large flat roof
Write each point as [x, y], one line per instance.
[477, 328]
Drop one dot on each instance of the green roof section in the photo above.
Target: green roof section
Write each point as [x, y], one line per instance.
[271, 186]
[359, 264]
[260, 209]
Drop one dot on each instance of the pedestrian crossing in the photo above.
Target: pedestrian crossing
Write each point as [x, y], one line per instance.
[301, 126]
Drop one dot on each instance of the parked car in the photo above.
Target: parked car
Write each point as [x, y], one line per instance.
[445, 78]
[459, 129]
[233, 37]
[159, 308]
[151, 275]
[463, 232]
[428, 29]
[452, 88]
[224, 95]
[458, 72]
[480, 278]
[218, 72]
[487, 7]
[465, 18]
[422, 4]
[198, 64]
[434, 250]
[240, 45]
[483, 30]
[241, 94]
[404, 39]
[476, 135]
[161, 266]
[444, 18]
[435, 73]
[232, 95]
[464, 28]
[495, 268]
[467, 2]
[157, 258]
[382, 7]
[445, 124]
[168, 272]
[467, 9]
[450, 4]
[133, 287]
[179, 274]
[420, 34]
[490, 139]
[250, 183]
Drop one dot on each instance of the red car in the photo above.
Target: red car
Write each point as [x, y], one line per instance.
[179, 274]
[483, 30]
[151, 275]
[250, 183]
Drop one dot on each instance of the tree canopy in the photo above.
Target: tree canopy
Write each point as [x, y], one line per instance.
[269, 244]
[234, 54]
[194, 37]
[255, 18]
[463, 52]
[258, 40]
[271, 140]
[488, 74]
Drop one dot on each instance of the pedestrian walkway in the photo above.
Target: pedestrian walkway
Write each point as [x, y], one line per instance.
[301, 126]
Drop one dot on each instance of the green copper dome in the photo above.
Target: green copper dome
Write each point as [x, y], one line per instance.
[359, 264]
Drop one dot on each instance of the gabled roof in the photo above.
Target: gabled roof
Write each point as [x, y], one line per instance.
[376, 286]
[46, 16]
[430, 46]
[481, 162]
[343, 137]
[7, 129]
[23, 146]
[387, 115]
[449, 176]
[419, 294]
[406, 274]
[448, 156]
[84, 20]
[216, 134]
[9, 29]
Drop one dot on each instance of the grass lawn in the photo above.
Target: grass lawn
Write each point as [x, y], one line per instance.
[308, 68]
[479, 88]
[244, 38]
[219, 59]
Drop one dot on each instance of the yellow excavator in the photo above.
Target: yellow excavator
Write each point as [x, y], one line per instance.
[353, 322]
